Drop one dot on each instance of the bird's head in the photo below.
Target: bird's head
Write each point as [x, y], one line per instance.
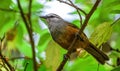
[52, 18]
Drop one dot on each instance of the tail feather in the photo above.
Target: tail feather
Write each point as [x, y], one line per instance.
[95, 52]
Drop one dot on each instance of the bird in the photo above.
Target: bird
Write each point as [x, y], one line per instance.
[63, 33]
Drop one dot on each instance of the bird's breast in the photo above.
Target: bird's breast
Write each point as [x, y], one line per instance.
[64, 37]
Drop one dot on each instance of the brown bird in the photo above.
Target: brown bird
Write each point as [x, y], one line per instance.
[64, 32]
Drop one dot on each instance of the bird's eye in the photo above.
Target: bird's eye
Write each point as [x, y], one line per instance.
[52, 16]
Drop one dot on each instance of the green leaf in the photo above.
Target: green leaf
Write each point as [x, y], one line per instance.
[5, 26]
[25, 48]
[115, 11]
[77, 23]
[42, 68]
[36, 6]
[87, 63]
[117, 43]
[5, 3]
[43, 41]
[53, 56]
[116, 69]
[116, 27]
[7, 21]
[101, 34]
[78, 1]
[20, 33]
[21, 44]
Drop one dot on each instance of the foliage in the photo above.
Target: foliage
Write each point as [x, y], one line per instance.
[16, 48]
[98, 37]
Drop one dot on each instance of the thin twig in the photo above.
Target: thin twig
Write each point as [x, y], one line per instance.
[73, 6]
[29, 13]
[8, 10]
[110, 64]
[80, 17]
[77, 12]
[15, 11]
[3, 65]
[98, 67]
[14, 58]
[115, 21]
[6, 62]
[26, 66]
[89, 15]
[30, 35]
[117, 50]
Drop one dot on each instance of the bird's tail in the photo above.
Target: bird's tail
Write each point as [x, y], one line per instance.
[97, 54]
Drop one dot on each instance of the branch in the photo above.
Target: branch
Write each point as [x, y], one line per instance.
[89, 15]
[30, 35]
[73, 6]
[67, 55]
[4, 66]
[6, 62]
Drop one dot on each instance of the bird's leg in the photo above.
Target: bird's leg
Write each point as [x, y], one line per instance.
[66, 56]
[79, 37]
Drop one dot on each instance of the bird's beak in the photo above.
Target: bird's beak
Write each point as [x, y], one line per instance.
[45, 17]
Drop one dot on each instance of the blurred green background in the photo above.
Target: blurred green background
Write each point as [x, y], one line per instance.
[16, 45]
